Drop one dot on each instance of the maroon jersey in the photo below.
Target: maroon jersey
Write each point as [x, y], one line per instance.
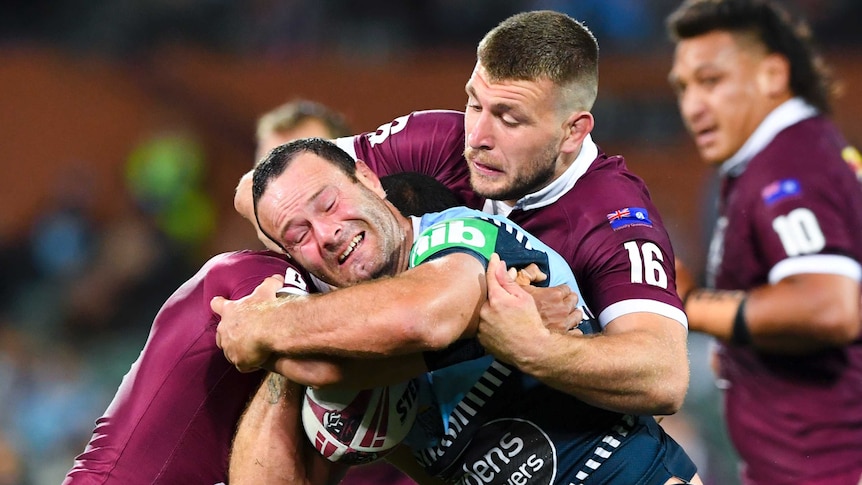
[175, 413]
[597, 215]
[791, 206]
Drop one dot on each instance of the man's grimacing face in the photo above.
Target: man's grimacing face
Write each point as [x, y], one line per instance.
[512, 134]
[340, 230]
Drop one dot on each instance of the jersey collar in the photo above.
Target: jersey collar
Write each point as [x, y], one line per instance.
[786, 114]
[556, 189]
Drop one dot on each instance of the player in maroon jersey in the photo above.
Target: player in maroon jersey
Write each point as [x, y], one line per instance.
[529, 155]
[175, 412]
[784, 266]
[585, 204]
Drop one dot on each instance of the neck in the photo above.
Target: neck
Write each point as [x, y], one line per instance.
[406, 226]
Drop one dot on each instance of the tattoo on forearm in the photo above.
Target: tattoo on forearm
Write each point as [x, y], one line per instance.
[704, 294]
[275, 385]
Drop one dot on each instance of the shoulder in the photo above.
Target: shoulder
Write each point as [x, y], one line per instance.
[244, 262]
[236, 273]
[805, 146]
[806, 155]
[419, 124]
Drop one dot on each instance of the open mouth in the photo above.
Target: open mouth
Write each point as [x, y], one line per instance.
[350, 247]
[705, 135]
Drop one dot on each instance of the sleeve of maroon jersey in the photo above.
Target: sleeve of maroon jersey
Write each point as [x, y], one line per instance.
[803, 210]
[427, 142]
[621, 253]
[235, 275]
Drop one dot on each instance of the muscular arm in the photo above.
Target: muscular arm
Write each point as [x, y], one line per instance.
[424, 308]
[346, 373]
[637, 365]
[800, 314]
[270, 446]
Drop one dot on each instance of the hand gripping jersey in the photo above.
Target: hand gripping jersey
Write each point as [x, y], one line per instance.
[173, 418]
[491, 424]
[791, 205]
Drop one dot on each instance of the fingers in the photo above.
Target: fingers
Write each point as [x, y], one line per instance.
[217, 305]
[269, 287]
[534, 274]
[502, 281]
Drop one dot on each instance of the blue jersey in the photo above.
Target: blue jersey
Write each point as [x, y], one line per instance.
[489, 423]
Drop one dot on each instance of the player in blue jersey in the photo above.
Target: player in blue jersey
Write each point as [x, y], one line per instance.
[493, 423]
[176, 411]
[785, 263]
[524, 149]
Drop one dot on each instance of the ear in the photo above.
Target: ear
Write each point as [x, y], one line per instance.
[575, 128]
[773, 76]
[369, 178]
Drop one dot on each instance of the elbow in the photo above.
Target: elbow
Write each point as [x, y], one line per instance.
[316, 374]
[667, 395]
[839, 327]
[432, 334]
[836, 319]
[669, 398]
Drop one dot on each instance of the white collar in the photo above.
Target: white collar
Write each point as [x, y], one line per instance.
[556, 189]
[786, 114]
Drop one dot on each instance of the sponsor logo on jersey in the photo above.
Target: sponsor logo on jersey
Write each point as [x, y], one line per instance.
[629, 216]
[780, 189]
[464, 419]
[509, 451]
[475, 234]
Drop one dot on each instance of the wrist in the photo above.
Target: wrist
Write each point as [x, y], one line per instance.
[740, 334]
[685, 297]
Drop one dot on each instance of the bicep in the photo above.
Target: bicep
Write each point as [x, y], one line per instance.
[652, 323]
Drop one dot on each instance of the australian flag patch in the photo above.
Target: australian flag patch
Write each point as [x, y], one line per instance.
[629, 216]
[780, 189]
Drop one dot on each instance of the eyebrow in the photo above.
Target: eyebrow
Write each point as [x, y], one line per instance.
[496, 108]
[286, 225]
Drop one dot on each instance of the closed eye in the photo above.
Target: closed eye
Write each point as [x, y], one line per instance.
[296, 237]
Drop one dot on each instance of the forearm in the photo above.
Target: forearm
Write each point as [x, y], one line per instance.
[424, 309]
[270, 445]
[637, 371]
[346, 373]
[800, 314]
[243, 203]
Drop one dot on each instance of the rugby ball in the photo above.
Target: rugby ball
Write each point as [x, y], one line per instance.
[356, 427]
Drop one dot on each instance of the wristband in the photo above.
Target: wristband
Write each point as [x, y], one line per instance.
[740, 334]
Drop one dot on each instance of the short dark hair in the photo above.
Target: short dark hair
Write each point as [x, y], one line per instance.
[773, 26]
[415, 194]
[543, 44]
[280, 157]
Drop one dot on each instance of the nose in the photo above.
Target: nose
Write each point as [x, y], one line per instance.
[691, 105]
[480, 130]
[327, 232]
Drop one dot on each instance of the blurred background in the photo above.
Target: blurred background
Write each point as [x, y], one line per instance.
[126, 124]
